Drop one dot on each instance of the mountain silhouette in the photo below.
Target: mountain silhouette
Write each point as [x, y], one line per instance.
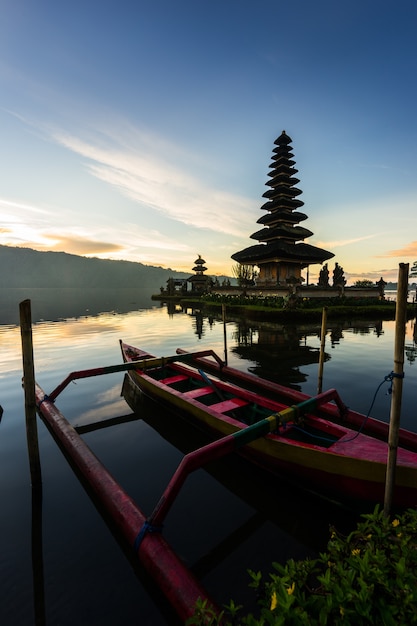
[24, 267]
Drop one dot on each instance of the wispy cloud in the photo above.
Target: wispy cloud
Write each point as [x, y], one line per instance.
[79, 245]
[410, 250]
[338, 243]
[153, 172]
[385, 273]
[22, 206]
[381, 166]
[133, 241]
[154, 181]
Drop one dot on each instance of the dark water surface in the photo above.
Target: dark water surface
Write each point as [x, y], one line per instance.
[59, 561]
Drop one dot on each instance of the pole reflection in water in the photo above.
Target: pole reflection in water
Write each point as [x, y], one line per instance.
[37, 557]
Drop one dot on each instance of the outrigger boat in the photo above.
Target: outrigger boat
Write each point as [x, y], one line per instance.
[315, 440]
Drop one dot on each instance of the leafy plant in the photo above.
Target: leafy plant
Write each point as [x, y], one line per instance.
[367, 577]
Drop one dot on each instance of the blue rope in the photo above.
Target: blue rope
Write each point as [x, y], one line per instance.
[146, 528]
[46, 398]
[318, 437]
[389, 377]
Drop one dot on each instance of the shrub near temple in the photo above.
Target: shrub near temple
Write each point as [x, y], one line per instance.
[368, 577]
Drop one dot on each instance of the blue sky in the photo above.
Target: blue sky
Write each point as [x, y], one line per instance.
[143, 130]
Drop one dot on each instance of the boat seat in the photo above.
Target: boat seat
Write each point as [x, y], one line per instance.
[173, 379]
[199, 391]
[228, 405]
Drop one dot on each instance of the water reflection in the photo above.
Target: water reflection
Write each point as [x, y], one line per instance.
[58, 304]
[200, 320]
[278, 351]
[281, 351]
[37, 557]
[411, 348]
[85, 573]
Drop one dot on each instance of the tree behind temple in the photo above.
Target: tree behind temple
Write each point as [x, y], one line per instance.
[245, 274]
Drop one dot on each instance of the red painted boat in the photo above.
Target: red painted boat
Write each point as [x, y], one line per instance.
[316, 440]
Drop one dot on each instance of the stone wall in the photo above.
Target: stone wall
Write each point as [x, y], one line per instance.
[299, 291]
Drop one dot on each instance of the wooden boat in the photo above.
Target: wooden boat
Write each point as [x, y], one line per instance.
[315, 440]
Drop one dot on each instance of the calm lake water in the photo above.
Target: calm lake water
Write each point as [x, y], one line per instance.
[59, 562]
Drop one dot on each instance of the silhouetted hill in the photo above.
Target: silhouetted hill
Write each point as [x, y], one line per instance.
[24, 267]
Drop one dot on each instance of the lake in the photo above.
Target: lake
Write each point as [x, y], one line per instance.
[60, 563]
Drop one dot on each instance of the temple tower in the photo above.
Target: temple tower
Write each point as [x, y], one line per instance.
[281, 253]
[199, 281]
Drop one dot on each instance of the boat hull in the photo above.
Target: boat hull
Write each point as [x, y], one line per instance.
[352, 468]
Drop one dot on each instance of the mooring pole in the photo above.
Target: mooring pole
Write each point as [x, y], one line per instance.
[397, 384]
[224, 332]
[29, 391]
[322, 344]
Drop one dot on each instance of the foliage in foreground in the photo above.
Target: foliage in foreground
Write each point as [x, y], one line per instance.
[368, 577]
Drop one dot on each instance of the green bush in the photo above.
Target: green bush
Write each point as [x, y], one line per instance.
[368, 577]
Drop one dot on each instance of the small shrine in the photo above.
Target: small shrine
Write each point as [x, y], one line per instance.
[281, 253]
[199, 281]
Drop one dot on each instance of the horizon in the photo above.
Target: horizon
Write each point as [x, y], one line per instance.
[168, 269]
[144, 132]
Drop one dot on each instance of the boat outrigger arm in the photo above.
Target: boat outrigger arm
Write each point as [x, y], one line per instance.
[143, 364]
[226, 445]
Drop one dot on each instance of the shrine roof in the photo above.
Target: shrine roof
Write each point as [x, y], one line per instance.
[282, 215]
[282, 251]
[287, 231]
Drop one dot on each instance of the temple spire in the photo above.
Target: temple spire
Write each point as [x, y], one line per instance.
[281, 253]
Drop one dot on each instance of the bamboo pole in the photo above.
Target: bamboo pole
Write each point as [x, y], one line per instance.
[29, 391]
[224, 332]
[322, 344]
[397, 384]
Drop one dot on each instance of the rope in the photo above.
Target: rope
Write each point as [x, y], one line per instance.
[46, 398]
[318, 437]
[389, 377]
[146, 528]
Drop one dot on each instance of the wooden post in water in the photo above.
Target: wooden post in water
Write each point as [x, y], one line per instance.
[224, 332]
[397, 384]
[29, 391]
[322, 344]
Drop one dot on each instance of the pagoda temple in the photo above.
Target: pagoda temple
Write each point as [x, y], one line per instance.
[199, 281]
[281, 253]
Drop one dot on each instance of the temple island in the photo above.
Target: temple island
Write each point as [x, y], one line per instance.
[273, 266]
[281, 253]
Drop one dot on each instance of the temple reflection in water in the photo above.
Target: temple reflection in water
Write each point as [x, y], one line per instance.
[279, 352]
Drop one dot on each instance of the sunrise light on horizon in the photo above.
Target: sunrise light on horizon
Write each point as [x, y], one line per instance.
[144, 131]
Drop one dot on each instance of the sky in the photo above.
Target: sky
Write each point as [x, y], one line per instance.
[143, 130]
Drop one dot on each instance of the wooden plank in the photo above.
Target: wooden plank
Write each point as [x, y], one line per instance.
[170, 380]
[200, 391]
[228, 405]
